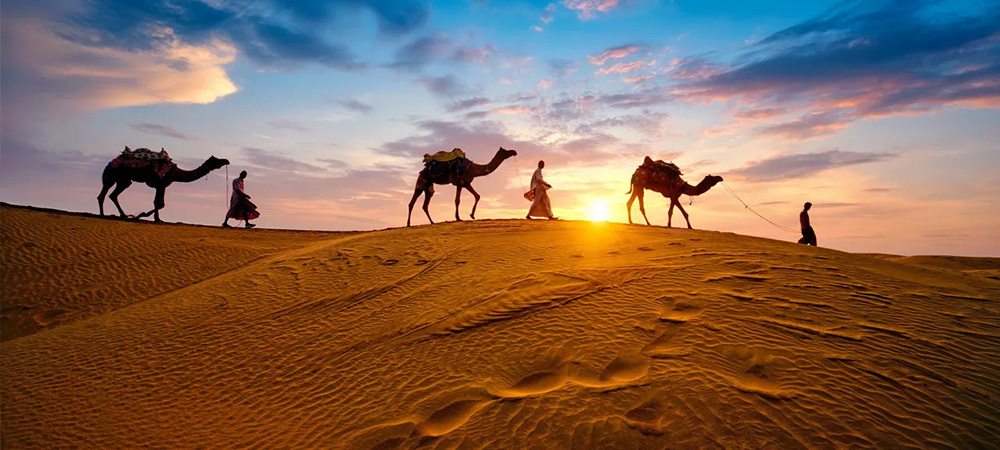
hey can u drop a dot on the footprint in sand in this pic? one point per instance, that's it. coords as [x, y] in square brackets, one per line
[649, 417]
[620, 372]
[450, 417]
[665, 346]
[390, 262]
[644, 249]
[757, 373]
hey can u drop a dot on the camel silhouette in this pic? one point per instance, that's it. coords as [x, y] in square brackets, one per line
[426, 181]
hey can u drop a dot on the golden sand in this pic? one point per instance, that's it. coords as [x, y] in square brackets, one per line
[486, 334]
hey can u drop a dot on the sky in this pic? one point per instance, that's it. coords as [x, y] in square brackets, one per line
[884, 114]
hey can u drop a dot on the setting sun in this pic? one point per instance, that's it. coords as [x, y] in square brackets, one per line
[598, 211]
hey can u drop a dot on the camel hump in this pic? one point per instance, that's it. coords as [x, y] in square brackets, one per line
[145, 154]
[661, 165]
[444, 156]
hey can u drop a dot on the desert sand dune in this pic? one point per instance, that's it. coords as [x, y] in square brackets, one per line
[490, 334]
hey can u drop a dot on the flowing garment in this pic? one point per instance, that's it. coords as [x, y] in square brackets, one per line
[540, 206]
[240, 207]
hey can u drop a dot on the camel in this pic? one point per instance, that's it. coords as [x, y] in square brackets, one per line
[426, 182]
[123, 175]
[671, 189]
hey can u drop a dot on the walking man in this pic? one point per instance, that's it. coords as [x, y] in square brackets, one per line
[240, 206]
[808, 235]
[540, 205]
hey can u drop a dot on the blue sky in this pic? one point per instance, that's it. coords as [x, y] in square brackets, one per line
[883, 114]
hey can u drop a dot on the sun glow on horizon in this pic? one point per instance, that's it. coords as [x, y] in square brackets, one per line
[598, 211]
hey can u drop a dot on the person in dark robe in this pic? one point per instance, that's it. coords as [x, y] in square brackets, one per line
[240, 206]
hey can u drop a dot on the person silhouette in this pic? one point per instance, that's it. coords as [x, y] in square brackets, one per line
[540, 204]
[808, 235]
[240, 206]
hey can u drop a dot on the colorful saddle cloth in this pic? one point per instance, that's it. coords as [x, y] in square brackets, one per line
[660, 173]
[444, 156]
[661, 165]
[140, 158]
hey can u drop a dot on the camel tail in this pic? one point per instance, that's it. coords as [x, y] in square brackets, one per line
[630, 187]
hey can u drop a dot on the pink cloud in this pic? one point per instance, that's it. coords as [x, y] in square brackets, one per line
[612, 53]
[639, 79]
[626, 67]
[588, 9]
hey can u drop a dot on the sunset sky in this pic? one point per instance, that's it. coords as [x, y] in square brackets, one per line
[885, 115]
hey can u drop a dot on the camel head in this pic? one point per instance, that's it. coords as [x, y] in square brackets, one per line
[712, 180]
[214, 163]
[504, 153]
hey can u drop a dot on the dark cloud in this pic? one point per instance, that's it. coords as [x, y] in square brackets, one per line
[355, 105]
[421, 51]
[263, 158]
[803, 165]
[415, 55]
[161, 130]
[868, 59]
[273, 33]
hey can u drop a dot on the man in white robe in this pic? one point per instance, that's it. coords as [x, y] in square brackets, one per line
[540, 205]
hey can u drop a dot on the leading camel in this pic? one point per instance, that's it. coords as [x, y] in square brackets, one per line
[672, 188]
[427, 180]
[122, 176]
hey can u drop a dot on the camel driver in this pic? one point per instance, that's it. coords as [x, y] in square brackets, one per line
[240, 206]
[540, 205]
[808, 235]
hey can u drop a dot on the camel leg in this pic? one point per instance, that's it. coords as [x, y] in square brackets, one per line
[121, 186]
[642, 205]
[427, 201]
[458, 199]
[670, 214]
[157, 205]
[474, 205]
[416, 195]
[100, 197]
[629, 205]
[680, 207]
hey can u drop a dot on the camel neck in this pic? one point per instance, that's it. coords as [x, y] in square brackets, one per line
[187, 176]
[701, 188]
[481, 170]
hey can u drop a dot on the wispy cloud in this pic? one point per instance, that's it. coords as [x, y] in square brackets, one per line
[626, 67]
[447, 86]
[802, 165]
[161, 130]
[274, 161]
[612, 53]
[355, 105]
[588, 9]
[285, 124]
[469, 103]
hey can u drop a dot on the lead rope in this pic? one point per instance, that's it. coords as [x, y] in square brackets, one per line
[517, 169]
[737, 197]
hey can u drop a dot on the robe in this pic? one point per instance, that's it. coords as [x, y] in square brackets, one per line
[540, 206]
[240, 207]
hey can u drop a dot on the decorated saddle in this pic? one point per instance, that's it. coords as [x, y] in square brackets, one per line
[453, 163]
[660, 172]
[141, 158]
[444, 156]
